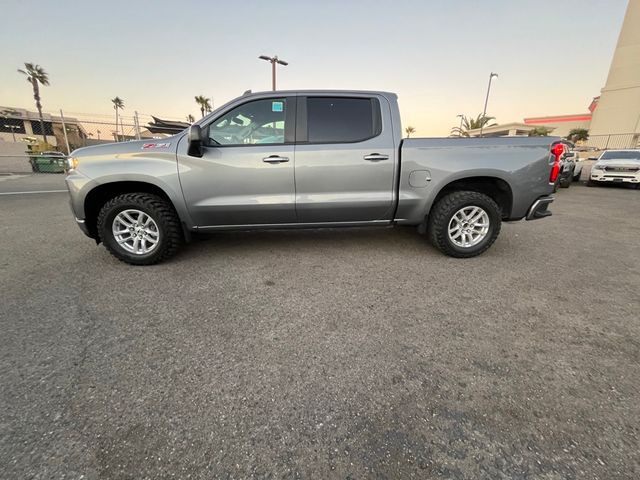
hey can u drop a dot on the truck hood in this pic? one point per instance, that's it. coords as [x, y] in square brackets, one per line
[168, 144]
[622, 162]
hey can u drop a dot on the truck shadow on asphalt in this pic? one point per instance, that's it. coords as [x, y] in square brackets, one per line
[380, 239]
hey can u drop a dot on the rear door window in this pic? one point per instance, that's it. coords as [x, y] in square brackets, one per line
[342, 120]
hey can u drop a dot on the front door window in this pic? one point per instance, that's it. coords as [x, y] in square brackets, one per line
[257, 122]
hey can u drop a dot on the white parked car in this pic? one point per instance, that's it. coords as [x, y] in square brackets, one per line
[616, 166]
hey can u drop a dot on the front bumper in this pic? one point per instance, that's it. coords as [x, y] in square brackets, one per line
[615, 177]
[83, 226]
[540, 208]
[78, 184]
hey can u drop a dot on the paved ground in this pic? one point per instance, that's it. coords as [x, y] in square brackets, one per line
[332, 354]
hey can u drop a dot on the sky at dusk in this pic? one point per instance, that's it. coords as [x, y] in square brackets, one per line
[552, 57]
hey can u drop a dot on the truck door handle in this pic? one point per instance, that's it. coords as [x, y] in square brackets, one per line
[376, 157]
[275, 159]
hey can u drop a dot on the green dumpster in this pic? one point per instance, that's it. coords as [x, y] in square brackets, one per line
[48, 162]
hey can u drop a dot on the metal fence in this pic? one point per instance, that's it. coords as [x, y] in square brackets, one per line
[21, 129]
[614, 141]
[22, 135]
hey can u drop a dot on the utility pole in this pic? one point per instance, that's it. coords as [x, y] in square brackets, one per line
[273, 60]
[136, 123]
[64, 130]
[486, 101]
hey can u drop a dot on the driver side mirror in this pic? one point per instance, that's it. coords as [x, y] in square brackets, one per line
[194, 138]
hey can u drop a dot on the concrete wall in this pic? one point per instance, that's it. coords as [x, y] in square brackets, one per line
[13, 158]
[619, 107]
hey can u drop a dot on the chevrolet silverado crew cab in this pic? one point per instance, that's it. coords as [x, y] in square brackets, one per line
[307, 159]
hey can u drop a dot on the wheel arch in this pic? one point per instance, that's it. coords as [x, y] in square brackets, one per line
[102, 193]
[496, 188]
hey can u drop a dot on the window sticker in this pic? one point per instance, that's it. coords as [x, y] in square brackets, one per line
[277, 106]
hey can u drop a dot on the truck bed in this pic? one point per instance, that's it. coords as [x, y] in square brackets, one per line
[427, 165]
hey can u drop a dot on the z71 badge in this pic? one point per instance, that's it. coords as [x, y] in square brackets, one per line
[155, 145]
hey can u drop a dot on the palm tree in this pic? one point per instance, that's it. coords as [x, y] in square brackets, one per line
[409, 131]
[36, 76]
[469, 123]
[118, 104]
[204, 103]
[190, 118]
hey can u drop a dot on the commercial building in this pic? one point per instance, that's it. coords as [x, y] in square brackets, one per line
[18, 124]
[561, 125]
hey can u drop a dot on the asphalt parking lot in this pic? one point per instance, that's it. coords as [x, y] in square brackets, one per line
[323, 354]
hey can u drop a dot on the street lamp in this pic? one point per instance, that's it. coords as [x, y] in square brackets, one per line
[273, 60]
[13, 131]
[486, 101]
[460, 128]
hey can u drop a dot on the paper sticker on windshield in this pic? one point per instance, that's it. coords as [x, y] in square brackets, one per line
[277, 106]
[155, 145]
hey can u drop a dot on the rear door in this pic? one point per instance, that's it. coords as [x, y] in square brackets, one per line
[345, 157]
[246, 173]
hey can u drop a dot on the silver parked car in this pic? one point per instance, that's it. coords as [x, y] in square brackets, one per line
[295, 159]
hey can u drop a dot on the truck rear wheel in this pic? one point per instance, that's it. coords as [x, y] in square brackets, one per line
[464, 224]
[139, 228]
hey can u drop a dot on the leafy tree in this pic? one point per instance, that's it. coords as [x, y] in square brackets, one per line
[578, 134]
[409, 130]
[540, 132]
[190, 118]
[36, 76]
[118, 104]
[204, 103]
[469, 123]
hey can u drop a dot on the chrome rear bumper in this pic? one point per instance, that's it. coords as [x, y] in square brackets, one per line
[539, 209]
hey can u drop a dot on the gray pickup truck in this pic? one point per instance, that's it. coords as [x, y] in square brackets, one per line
[307, 159]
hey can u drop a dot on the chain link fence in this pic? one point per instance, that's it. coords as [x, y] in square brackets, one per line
[31, 145]
[23, 135]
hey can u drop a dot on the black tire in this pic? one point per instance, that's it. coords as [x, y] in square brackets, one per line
[565, 183]
[591, 183]
[442, 212]
[576, 178]
[161, 211]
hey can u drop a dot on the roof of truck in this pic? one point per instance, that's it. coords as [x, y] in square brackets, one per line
[323, 92]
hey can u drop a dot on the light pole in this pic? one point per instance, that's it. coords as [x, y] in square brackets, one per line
[460, 128]
[273, 60]
[486, 101]
[13, 131]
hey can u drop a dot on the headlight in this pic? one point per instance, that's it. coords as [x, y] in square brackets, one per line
[72, 162]
[598, 167]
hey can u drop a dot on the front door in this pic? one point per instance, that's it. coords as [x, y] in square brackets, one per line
[345, 160]
[246, 173]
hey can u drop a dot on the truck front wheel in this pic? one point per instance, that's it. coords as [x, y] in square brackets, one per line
[464, 224]
[139, 228]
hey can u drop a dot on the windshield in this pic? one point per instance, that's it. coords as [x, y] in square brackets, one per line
[627, 155]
